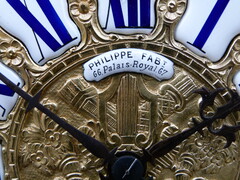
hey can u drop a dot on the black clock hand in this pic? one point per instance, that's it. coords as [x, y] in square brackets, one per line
[222, 112]
[163, 147]
[94, 146]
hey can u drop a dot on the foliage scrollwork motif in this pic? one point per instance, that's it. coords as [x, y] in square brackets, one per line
[205, 154]
[47, 148]
[45, 142]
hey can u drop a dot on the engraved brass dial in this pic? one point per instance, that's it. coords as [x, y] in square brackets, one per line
[126, 110]
[131, 111]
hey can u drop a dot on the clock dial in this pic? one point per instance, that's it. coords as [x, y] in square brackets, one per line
[128, 109]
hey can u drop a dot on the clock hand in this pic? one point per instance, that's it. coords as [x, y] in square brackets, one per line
[163, 147]
[222, 112]
[129, 169]
[97, 148]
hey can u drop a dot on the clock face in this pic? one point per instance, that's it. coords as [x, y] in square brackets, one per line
[123, 72]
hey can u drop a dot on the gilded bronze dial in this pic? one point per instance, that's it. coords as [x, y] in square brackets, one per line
[129, 110]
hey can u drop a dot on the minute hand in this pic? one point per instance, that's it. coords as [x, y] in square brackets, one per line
[163, 147]
[94, 146]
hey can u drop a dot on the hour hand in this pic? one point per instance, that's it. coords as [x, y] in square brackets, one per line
[91, 144]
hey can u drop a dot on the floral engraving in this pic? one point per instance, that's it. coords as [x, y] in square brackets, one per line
[48, 149]
[205, 154]
[172, 9]
[11, 53]
[83, 9]
[45, 142]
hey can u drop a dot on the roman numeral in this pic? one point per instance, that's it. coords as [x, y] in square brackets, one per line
[38, 28]
[210, 24]
[3, 110]
[8, 97]
[133, 14]
[6, 91]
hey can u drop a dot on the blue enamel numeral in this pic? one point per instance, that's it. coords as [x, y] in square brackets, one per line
[133, 9]
[6, 91]
[117, 13]
[145, 10]
[210, 24]
[40, 30]
[133, 13]
[3, 110]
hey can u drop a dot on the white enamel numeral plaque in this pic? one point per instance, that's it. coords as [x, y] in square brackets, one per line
[127, 16]
[7, 96]
[208, 26]
[44, 26]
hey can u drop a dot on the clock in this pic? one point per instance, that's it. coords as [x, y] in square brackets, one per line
[114, 89]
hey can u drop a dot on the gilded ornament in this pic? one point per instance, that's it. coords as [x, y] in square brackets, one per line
[11, 53]
[82, 9]
[172, 9]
